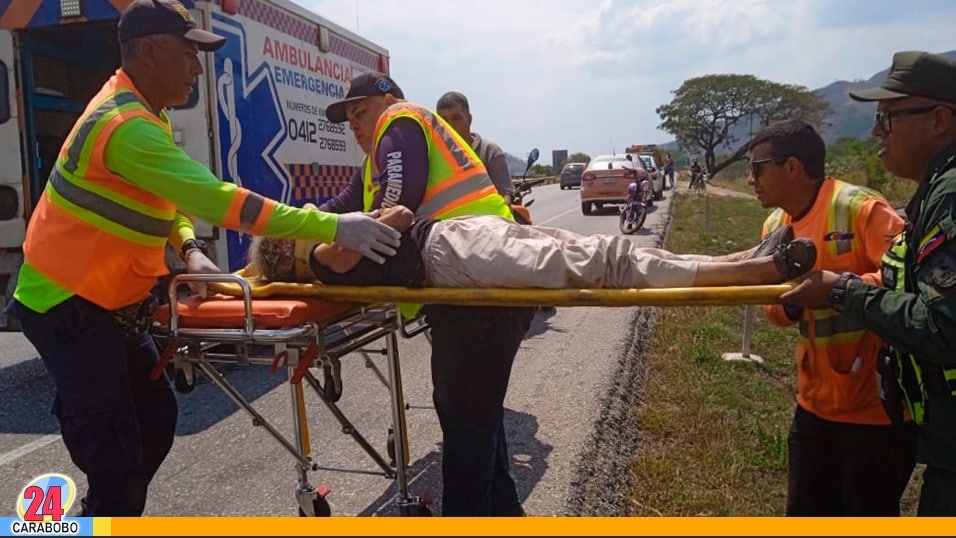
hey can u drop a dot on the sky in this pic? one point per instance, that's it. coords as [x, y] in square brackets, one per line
[587, 76]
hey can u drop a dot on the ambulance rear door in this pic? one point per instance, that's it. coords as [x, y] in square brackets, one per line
[12, 218]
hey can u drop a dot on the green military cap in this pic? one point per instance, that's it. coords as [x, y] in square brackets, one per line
[915, 73]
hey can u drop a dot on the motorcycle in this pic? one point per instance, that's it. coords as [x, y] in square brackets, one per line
[645, 184]
[698, 181]
[634, 209]
[519, 201]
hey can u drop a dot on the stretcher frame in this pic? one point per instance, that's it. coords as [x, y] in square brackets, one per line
[194, 347]
[607, 297]
[315, 344]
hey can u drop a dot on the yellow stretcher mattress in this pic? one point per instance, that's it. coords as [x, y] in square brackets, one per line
[699, 296]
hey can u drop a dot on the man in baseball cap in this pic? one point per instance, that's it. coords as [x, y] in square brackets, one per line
[362, 86]
[151, 17]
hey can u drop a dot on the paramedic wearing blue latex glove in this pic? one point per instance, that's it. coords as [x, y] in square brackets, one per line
[415, 161]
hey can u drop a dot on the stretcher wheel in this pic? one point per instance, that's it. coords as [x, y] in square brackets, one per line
[422, 511]
[390, 446]
[183, 384]
[320, 506]
[416, 507]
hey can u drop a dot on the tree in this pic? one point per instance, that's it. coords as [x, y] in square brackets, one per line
[707, 112]
[579, 158]
[540, 170]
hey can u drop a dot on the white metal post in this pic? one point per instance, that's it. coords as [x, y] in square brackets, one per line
[745, 355]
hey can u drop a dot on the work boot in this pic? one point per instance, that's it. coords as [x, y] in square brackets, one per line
[774, 239]
[795, 258]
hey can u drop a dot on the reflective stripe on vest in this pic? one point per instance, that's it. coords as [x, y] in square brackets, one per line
[841, 218]
[149, 230]
[776, 219]
[82, 143]
[829, 326]
[93, 232]
[458, 183]
[911, 378]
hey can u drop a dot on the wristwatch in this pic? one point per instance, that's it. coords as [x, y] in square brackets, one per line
[837, 297]
[190, 244]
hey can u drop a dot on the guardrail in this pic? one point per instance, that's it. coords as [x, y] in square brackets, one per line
[539, 180]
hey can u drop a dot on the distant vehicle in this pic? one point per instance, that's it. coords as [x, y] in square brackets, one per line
[656, 172]
[605, 180]
[571, 175]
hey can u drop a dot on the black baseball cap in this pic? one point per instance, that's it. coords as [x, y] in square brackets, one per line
[150, 17]
[362, 86]
[915, 73]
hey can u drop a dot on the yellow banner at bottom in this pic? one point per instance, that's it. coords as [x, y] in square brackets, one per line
[529, 526]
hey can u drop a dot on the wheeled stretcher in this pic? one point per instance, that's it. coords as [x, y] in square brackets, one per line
[304, 336]
[309, 327]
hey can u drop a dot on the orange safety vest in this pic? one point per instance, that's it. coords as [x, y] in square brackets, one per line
[92, 232]
[836, 355]
[458, 183]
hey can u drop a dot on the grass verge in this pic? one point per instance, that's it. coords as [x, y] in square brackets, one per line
[712, 438]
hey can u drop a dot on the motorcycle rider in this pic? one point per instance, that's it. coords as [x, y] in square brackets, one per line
[696, 172]
[633, 211]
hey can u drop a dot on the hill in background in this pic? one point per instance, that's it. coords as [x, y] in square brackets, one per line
[848, 118]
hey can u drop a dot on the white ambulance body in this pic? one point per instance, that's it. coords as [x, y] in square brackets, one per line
[256, 118]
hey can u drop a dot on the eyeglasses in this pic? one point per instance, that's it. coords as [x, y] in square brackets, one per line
[884, 119]
[755, 166]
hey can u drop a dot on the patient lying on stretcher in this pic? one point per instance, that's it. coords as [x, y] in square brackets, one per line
[493, 252]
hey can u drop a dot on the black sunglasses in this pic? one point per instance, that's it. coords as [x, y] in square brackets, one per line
[884, 119]
[755, 166]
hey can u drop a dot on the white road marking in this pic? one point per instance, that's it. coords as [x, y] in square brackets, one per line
[556, 217]
[36, 444]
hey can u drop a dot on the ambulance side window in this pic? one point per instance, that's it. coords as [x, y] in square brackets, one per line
[4, 94]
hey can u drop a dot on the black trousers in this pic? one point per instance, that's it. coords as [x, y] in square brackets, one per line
[473, 349]
[938, 495]
[840, 469]
[117, 425]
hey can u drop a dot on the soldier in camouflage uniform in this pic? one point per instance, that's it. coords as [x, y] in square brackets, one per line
[915, 310]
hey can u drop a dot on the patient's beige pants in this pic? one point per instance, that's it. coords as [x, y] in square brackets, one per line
[493, 252]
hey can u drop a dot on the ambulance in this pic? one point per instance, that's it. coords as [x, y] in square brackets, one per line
[256, 117]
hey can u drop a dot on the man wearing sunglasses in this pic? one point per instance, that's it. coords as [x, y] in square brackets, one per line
[845, 457]
[915, 311]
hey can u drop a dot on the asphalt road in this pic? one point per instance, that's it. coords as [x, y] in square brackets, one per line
[568, 416]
